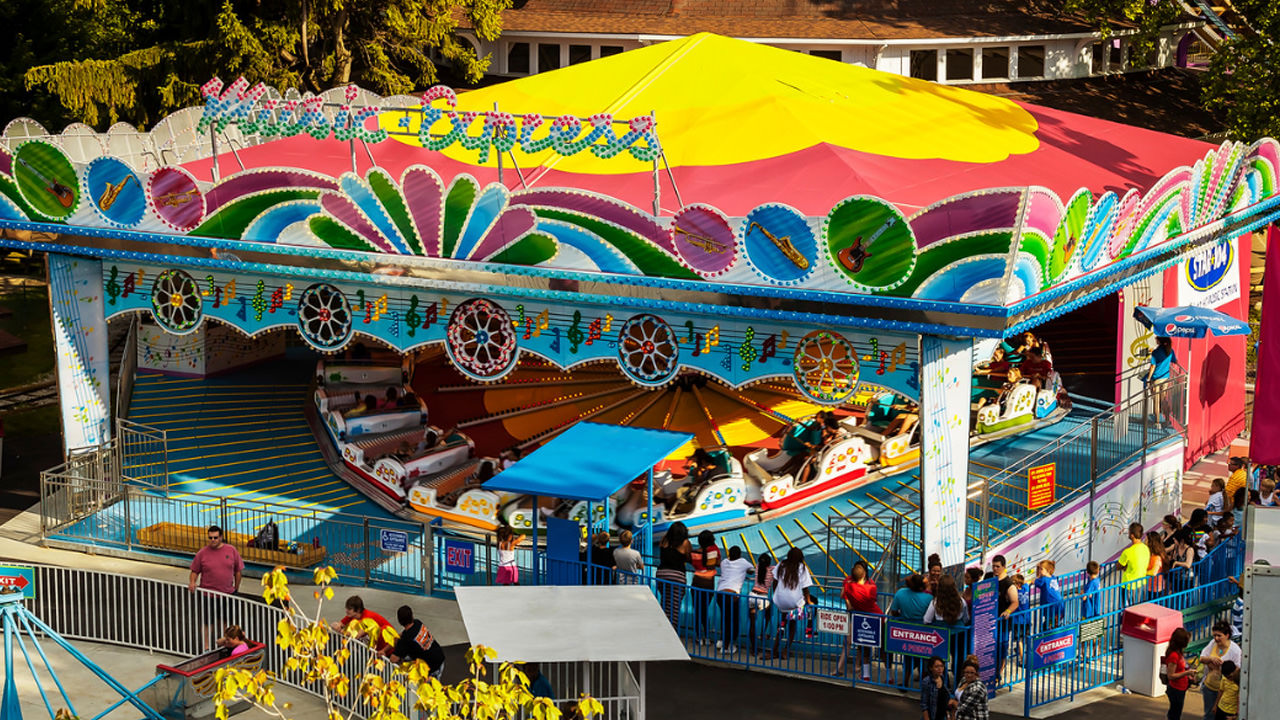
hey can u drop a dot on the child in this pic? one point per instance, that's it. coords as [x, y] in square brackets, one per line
[1050, 593]
[1092, 594]
[1019, 620]
[508, 570]
[1268, 492]
[234, 639]
[733, 573]
[1215, 505]
[1229, 692]
[758, 601]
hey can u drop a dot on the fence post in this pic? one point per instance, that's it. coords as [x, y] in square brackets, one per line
[1093, 475]
[366, 552]
[128, 521]
[986, 519]
[222, 515]
[488, 551]
[164, 459]
[427, 546]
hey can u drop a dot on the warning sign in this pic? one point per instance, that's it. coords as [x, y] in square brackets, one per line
[1041, 482]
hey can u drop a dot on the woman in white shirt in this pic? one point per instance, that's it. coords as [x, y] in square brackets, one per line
[790, 594]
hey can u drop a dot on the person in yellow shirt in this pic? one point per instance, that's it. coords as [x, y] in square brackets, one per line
[1229, 692]
[1134, 561]
[1239, 478]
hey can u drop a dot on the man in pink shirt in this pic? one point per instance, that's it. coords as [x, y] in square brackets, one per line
[217, 566]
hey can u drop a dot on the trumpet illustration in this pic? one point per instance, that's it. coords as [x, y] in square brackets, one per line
[112, 191]
[176, 198]
[698, 240]
[784, 244]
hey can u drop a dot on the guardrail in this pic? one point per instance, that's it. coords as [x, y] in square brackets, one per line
[128, 368]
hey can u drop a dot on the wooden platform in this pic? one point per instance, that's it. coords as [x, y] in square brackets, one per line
[189, 539]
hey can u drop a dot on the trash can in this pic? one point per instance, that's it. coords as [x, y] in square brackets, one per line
[1146, 630]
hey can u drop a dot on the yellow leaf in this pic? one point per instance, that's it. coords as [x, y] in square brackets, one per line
[328, 593]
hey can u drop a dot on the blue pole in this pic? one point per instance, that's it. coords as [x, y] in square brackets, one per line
[537, 576]
[10, 706]
[49, 667]
[22, 645]
[648, 536]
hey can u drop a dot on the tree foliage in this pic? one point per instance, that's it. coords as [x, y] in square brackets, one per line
[142, 59]
[312, 662]
[1242, 83]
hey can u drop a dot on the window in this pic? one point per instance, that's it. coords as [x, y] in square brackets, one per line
[607, 50]
[1031, 61]
[960, 64]
[548, 57]
[1116, 56]
[828, 54]
[924, 64]
[1097, 59]
[518, 58]
[579, 54]
[995, 63]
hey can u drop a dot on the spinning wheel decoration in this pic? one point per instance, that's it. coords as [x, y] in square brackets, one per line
[647, 350]
[826, 367]
[481, 340]
[324, 317]
[175, 302]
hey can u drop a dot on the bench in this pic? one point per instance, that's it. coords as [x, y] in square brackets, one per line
[189, 539]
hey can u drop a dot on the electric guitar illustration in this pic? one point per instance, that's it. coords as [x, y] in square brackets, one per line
[111, 192]
[707, 244]
[62, 192]
[784, 244]
[853, 257]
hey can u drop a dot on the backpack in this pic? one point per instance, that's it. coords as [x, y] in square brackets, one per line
[267, 537]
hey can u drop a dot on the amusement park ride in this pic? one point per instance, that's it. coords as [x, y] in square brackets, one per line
[502, 315]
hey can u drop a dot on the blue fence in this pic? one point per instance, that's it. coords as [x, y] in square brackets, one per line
[736, 629]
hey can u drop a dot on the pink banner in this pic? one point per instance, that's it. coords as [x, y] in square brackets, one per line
[1264, 442]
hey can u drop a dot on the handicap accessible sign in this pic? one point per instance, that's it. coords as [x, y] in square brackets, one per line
[867, 630]
[916, 640]
[1053, 648]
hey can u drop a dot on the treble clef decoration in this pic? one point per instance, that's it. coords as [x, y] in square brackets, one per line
[575, 333]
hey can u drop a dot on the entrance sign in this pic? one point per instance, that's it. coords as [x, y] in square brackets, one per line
[459, 557]
[916, 640]
[1041, 484]
[868, 630]
[1054, 648]
[834, 622]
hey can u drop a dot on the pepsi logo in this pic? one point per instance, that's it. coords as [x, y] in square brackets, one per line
[1182, 318]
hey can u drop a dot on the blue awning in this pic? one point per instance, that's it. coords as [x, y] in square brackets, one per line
[589, 461]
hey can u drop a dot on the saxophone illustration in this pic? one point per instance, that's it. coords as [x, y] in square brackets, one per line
[112, 191]
[784, 244]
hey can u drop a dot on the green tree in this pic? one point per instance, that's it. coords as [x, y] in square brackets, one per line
[1242, 84]
[173, 46]
[313, 661]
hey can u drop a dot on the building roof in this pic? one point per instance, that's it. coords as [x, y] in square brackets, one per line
[589, 461]
[606, 623]
[801, 19]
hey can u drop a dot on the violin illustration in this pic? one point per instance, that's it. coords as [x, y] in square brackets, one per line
[111, 192]
[176, 198]
[708, 244]
[784, 244]
[60, 191]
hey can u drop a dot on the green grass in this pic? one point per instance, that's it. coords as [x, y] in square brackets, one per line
[29, 321]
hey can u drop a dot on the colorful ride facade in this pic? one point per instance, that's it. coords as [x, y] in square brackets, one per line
[863, 298]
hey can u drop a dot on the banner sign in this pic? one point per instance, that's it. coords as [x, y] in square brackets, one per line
[944, 447]
[1053, 648]
[18, 577]
[1211, 276]
[868, 630]
[916, 640]
[986, 597]
[1041, 485]
[484, 337]
[459, 557]
[834, 622]
[80, 344]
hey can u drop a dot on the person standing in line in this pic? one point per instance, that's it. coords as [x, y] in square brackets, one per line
[217, 566]
[356, 612]
[972, 576]
[1134, 561]
[971, 702]
[859, 595]
[508, 570]
[1179, 676]
[948, 608]
[601, 559]
[1212, 659]
[628, 560]
[1006, 604]
[705, 559]
[758, 602]
[935, 573]
[1169, 528]
[1156, 565]
[1267, 492]
[935, 688]
[909, 604]
[1091, 598]
[1216, 505]
[416, 643]
[733, 573]
[673, 556]
[1181, 558]
[1046, 585]
[790, 594]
